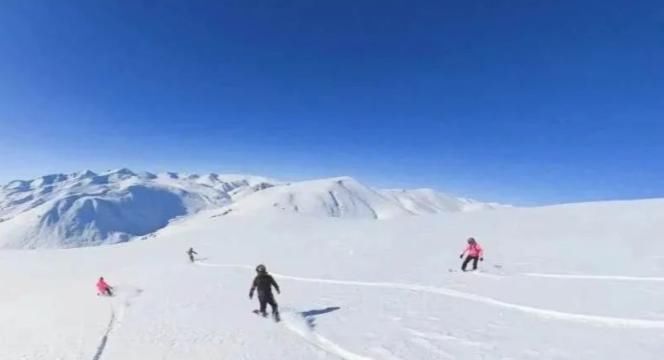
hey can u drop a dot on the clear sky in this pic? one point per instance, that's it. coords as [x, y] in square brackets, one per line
[528, 102]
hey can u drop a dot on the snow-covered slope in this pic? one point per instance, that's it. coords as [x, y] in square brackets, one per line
[345, 197]
[82, 209]
[583, 281]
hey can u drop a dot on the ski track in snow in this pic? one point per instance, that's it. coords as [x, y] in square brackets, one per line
[597, 277]
[531, 310]
[293, 322]
[125, 298]
[104, 339]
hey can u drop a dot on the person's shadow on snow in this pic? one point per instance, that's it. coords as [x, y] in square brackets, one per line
[310, 315]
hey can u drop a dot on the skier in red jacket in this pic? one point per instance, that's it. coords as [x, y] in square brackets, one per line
[103, 288]
[474, 252]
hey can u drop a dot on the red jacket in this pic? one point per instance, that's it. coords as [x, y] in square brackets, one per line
[474, 250]
[102, 286]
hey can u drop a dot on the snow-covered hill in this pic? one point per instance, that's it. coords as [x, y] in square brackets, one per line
[338, 197]
[429, 201]
[345, 197]
[82, 209]
[571, 282]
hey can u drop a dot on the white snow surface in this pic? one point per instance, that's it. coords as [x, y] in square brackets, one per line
[570, 282]
[86, 208]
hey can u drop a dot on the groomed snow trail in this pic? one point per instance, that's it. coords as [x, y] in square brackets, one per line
[543, 313]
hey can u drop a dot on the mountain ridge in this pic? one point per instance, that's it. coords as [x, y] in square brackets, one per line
[88, 208]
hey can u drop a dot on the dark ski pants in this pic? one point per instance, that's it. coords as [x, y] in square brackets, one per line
[474, 259]
[264, 300]
[191, 257]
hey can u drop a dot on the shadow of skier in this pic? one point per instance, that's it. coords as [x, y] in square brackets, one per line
[310, 315]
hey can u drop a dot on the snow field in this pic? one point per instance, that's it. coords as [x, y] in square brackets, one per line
[554, 287]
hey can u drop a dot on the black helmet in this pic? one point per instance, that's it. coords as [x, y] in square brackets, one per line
[471, 240]
[261, 268]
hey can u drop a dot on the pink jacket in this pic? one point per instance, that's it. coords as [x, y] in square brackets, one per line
[473, 250]
[102, 286]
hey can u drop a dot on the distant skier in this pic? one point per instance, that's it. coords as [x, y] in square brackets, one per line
[474, 252]
[191, 254]
[103, 288]
[263, 282]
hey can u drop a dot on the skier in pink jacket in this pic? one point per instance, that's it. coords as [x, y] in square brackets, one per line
[103, 288]
[474, 252]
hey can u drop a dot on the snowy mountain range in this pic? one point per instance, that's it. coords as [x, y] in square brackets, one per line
[88, 208]
[574, 281]
[567, 282]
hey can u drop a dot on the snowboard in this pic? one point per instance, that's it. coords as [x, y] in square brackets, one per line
[275, 317]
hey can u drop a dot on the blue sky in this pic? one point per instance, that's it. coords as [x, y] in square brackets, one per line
[529, 102]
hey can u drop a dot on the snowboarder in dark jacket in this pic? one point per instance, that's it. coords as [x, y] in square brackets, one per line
[191, 254]
[263, 282]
